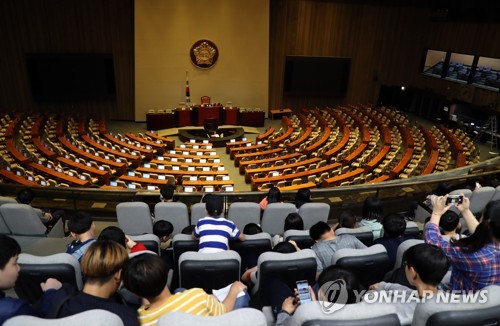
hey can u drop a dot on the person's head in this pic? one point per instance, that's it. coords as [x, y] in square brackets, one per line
[188, 229]
[285, 248]
[303, 196]
[320, 231]
[333, 274]
[487, 231]
[394, 226]
[113, 233]
[145, 275]
[163, 229]
[442, 189]
[449, 221]
[347, 220]
[214, 205]
[9, 269]
[294, 222]
[80, 223]
[372, 209]
[252, 228]
[103, 262]
[167, 193]
[26, 196]
[274, 195]
[425, 263]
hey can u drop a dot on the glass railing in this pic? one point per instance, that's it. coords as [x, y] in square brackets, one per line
[397, 194]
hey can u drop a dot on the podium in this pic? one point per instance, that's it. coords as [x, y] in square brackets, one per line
[230, 116]
[203, 112]
[183, 117]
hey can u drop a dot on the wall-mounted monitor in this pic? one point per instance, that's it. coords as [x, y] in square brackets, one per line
[56, 77]
[322, 76]
[459, 67]
[487, 74]
[434, 63]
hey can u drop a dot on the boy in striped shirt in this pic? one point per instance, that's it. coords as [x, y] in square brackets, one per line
[215, 231]
[146, 276]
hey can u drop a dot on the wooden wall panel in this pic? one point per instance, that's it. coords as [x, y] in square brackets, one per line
[385, 43]
[93, 26]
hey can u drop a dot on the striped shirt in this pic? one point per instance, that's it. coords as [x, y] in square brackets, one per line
[214, 234]
[193, 301]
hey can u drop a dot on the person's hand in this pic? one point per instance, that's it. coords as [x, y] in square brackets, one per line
[294, 244]
[48, 215]
[130, 243]
[374, 287]
[311, 293]
[237, 287]
[465, 205]
[50, 283]
[439, 206]
[289, 305]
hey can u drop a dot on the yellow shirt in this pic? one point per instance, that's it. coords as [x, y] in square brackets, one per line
[193, 301]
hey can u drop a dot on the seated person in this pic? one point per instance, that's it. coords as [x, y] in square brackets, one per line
[372, 215]
[450, 224]
[425, 267]
[346, 220]
[214, 231]
[9, 271]
[327, 243]
[273, 196]
[163, 230]
[113, 233]
[81, 228]
[146, 276]
[250, 275]
[302, 197]
[26, 196]
[102, 267]
[167, 193]
[252, 228]
[394, 228]
[292, 222]
[291, 300]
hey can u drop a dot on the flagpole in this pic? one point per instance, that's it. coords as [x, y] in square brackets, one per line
[188, 98]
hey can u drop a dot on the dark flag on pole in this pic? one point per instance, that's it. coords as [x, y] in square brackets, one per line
[188, 99]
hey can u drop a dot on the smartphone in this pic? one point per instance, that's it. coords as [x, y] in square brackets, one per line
[454, 199]
[303, 290]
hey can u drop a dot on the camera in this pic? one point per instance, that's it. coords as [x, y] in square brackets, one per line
[454, 199]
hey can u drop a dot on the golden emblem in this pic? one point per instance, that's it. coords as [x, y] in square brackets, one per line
[204, 54]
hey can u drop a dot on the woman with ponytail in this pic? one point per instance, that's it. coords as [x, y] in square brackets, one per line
[475, 261]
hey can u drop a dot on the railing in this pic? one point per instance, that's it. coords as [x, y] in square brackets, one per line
[396, 194]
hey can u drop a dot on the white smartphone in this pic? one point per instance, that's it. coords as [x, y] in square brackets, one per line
[303, 290]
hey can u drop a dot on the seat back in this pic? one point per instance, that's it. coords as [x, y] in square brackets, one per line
[405, 245]
[369, 264]
[250, 249]
[359, 314]
[150, 241]
[301, 238]
[486, 312]
[273, 220]
[480, 198]
[89, 317]
[411, 230]
[496, 196]
[22, 219]
[175, 213]
[37, 269]
[209, 271]
[198, 211]
[289, 268]
[182, 243]
[7, 200]
[313, 213]
[134, 218]
[363, 234]
[240, 317]
[243, 213]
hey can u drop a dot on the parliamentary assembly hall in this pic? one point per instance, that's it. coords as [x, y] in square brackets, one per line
[258, 162]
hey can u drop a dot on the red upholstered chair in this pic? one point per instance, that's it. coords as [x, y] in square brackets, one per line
[205, 100]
